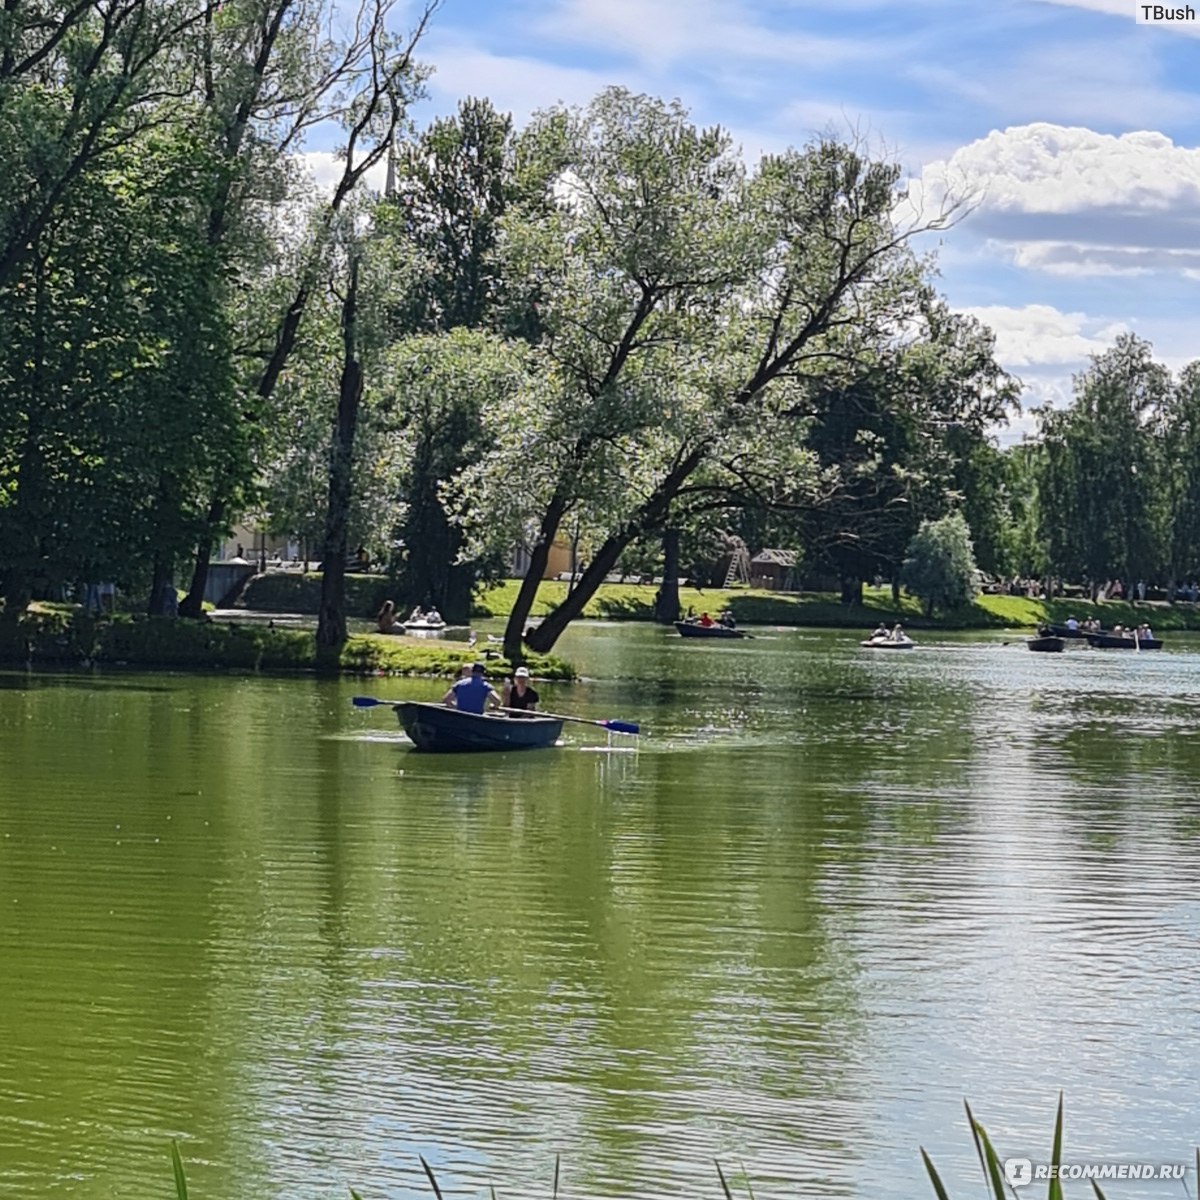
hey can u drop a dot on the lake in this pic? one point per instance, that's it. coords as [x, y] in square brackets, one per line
[831, 894]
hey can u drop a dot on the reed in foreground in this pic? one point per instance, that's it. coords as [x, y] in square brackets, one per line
[999, 1188]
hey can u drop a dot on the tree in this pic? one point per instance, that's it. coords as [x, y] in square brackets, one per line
[939, 565]
[1100, 485]
[365, 83]
[1180, 439]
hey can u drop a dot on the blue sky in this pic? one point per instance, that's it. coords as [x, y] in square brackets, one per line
[1076, 127]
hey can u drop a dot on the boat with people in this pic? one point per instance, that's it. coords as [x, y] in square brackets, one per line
[424, 622]
[888, 643]
[1047, 644]
[434, 727]
[693, 629]
[889, 639]
[1124, 640]
[1070, 632]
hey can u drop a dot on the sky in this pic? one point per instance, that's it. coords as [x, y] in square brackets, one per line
[1075, 129]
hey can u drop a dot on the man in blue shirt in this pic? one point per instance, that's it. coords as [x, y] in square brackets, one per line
[474, 694]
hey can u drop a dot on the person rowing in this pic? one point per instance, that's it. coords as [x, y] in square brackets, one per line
[473, 695]
[898, 634]
[881, 633]
[519, 694]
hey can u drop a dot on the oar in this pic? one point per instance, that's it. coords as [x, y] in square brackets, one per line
[370, 701]
[612, 726]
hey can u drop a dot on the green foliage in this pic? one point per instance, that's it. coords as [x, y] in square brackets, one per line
[1100, 478]
[939, 565]
[41, 637]
[292, 592]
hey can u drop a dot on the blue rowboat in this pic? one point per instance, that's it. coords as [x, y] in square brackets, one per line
[446, 730]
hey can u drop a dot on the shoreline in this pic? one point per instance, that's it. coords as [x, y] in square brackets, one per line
[53, 635]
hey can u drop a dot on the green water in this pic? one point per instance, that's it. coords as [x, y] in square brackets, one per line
[834, 892]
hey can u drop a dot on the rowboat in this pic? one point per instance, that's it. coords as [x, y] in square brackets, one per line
[1119, 641]
[690, 629]
[888, 644]
[1047, 645]
[424, 626]
[445, 730]
[1063, 631]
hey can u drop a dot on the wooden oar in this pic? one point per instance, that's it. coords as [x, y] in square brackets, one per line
[612, 726]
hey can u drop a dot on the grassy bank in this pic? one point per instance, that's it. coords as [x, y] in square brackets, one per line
[635, 602]
[54, 634]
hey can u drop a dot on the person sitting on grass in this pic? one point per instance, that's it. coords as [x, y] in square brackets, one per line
[385, 619]
[473, 695]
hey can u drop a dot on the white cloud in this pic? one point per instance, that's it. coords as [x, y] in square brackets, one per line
[516, 84]
[1070, 201]
[325, 168]
[1039, 335]
[1127, 10]
[659, 33]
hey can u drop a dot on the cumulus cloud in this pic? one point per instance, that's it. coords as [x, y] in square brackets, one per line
[1070, 201]
[1039, 335]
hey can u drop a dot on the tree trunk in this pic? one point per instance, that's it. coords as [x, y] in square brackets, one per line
[852, 591]
[895, 593]
[331, 617]
[650, 515]
[163, 576]
[666, 610]
[542, 638]
[539, 556]
[192, 605]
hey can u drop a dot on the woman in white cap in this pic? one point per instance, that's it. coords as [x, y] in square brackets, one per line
[519, 694]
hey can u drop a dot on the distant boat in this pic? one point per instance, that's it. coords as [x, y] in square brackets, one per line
[693, 629]
[1120, 641]
[889, 644]
[1062, 631]
[437, 728]
[424, 626]
[1047, 645]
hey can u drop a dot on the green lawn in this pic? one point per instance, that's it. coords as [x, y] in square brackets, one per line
[634, 602]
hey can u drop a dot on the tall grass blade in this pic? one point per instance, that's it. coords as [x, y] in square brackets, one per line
[1099, 1194]
[492, 1189]
[354, 1195]
[724, 1184]
[746, 1180]
[177, 1166]
[934, 1178]
[557, 1164]
[994, 1171]
[437, 1191]
[1056, 1192]
[974, 1128]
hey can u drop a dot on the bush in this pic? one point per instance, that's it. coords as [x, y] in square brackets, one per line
[291, 592]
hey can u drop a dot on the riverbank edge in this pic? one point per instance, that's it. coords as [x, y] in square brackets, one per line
[817, 610]
[55, 636]
[300, 594]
